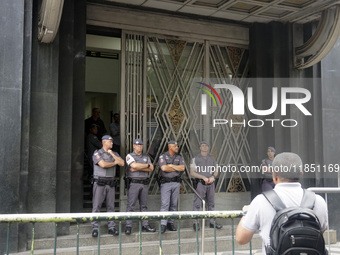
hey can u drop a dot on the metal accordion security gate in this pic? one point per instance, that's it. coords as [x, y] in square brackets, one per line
[161, 102]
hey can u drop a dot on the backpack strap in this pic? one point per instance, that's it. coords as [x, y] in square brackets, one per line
[308, 199]
[274, 200]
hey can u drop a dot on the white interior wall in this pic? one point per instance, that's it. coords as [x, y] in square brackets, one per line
[102, 85]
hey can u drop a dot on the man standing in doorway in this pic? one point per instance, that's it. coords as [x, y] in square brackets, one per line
[137, 173]
[104, 164]
[172, 166]
[95, 119]
[92, 144]
[203, 169]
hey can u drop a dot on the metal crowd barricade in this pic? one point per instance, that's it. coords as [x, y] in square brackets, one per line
[326, 190]
[203, 220]
[79, 218]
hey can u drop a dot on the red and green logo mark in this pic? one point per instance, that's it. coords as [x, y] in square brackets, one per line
[208, 92]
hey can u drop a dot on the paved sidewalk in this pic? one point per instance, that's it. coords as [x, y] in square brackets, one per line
[335, 250]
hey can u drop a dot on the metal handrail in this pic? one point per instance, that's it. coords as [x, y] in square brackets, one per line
[326, 190]
[120, 216]
[203, 205]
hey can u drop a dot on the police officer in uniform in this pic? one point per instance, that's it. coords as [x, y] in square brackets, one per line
[137, 174]
[203, 169]
[104, 171]
[172, 166]
[92, 144]
[267, 178]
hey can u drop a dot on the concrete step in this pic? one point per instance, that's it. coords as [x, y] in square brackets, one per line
[86, 228]
[189, 245]
[88, 204]
[153, 223]
[105, 239]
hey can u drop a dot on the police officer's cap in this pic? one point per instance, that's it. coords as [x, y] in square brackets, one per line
[204, 142]
[107, 137]
[172, 142]
[138, 141]
[272, 149]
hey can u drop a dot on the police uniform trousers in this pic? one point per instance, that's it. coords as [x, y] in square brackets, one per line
[207, 191]
[100, 193]
[137, 191]
[169, 198]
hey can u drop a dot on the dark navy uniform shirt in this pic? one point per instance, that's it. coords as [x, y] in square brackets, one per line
[267, 162]
[101, 126]
[165, 159]
[98, 171]
[133, 157]
[93, 144]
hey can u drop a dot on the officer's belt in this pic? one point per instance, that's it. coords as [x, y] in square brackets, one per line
[174, 179]
[103, 182]
[145, 181]
[202, 181]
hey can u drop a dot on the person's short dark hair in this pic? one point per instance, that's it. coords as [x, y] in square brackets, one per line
[116, 114]
[94, 109]
[93, 126]
[288, 166]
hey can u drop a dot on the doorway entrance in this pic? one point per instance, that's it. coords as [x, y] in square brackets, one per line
[102, 90]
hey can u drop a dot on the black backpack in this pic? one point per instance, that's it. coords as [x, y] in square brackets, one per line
[295, 230]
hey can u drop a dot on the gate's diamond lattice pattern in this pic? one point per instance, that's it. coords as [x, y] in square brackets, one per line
[162, 102]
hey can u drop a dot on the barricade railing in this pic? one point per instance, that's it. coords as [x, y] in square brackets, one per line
[326, 190]
[203, 220]
[80, 218]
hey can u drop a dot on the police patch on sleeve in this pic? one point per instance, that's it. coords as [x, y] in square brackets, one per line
[97, 155]
[161, 159]
[192, 163]
[129, 159]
